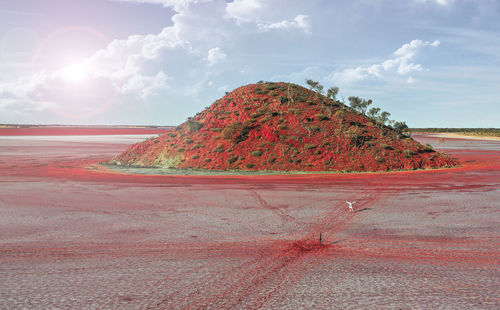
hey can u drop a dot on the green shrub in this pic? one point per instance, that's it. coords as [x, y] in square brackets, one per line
[282, 126]
[181, 149]
[207, 160]
[310, 146]
[385, 146]
[315, 128]
[216, 129]
[188, 141]
[193, 126]
[272, 87]
[428, 148]
[257, 153]
[249, 166]
[409, 153]
[283, 99]
[195, 157]
[231, 160]
[219, 149]
[198, 146]
[379, 159]
[322, 117]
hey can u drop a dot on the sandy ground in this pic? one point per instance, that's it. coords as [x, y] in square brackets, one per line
[463, 136]
[75, 237]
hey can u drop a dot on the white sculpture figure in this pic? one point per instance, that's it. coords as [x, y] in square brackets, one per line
[350, 205]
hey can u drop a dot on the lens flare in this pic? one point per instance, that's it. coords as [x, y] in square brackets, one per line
[75, 73]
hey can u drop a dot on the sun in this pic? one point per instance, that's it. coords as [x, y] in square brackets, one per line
[75, 73]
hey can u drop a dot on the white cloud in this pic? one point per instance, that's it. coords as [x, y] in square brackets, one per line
[133, 66]
[243, 10]
[438, 2]
[256, 11]
[410, 80]
[176, 4]
[401, 63]
[300, 22]
[215, 55]
[123, 63]
[145, 85]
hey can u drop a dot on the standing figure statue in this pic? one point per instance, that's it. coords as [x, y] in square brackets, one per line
[350, 205]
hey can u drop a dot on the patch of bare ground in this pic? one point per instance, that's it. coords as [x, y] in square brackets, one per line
[74, 237]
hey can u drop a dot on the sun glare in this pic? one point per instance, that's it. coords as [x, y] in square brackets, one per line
[75, 73]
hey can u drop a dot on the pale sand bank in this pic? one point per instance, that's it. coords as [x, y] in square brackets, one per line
[463, 136]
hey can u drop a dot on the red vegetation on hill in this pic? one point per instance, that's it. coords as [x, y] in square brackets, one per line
[282, 127]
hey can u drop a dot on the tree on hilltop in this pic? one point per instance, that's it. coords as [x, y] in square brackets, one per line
[359, 104]
[332, 93]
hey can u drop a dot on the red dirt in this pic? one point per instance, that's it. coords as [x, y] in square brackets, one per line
[76, 236]
[265, 127]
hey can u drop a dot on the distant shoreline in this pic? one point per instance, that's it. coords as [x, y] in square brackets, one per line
[462, 136]
[63, 130]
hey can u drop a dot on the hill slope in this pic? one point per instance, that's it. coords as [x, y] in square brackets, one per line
[281, 127]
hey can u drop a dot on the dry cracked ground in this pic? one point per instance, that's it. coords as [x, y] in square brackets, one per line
[74, 236]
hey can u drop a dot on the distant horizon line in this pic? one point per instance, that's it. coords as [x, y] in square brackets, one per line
[9, 125]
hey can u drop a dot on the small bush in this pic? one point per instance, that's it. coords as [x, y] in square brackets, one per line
[249, 166]
[188, 141]
[385, 146]
[193, 126]
[247, 108]
[322, 117]
[310, 102]
[379, 159]
[216, 129]
[207, 160]
[283, 99]
[198, 146]
[257, 153]
[409, 153]
[315, 128]
[282, 126]
[228, 133]
[231, 160]
[272, 87]
[195, 157]
[310, 146]
[219, 149]
[428, 148]
[181, 149]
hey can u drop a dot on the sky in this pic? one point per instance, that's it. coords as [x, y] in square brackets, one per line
[431, 63]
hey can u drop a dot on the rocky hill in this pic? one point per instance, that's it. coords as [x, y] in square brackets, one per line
[282, 127]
